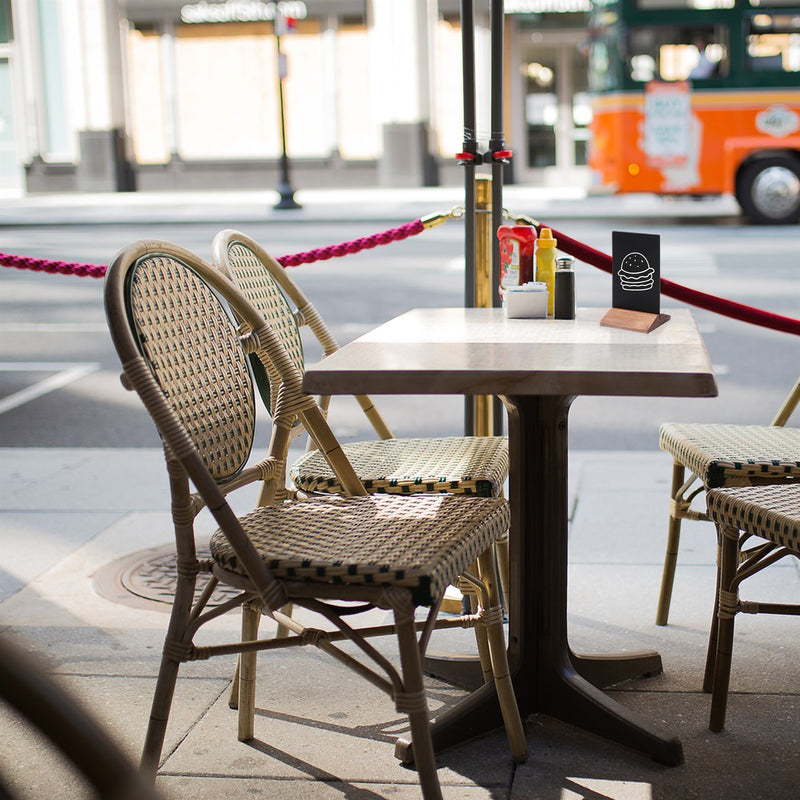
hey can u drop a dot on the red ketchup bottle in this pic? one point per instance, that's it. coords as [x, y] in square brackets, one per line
[516, 254]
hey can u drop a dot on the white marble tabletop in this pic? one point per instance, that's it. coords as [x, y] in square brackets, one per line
[479, 351]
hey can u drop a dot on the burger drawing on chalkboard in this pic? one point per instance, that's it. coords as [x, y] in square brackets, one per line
[635, 273]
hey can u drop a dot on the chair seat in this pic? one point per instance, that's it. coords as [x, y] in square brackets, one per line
[422, 544]
[718, 453]
[476, 465]
[771, 512]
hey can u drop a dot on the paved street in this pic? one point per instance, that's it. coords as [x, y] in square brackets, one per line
[58, 381]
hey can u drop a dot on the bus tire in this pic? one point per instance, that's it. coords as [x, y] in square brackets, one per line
[768, 190]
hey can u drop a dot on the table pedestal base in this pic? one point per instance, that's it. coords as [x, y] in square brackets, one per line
[548, 677]
[460, 670]
[601, 670]
[609, 669]
[570, 698]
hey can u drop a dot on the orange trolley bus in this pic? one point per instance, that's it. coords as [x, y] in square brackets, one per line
[698, 97]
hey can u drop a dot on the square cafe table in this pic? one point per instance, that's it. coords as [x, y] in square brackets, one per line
[537, 367]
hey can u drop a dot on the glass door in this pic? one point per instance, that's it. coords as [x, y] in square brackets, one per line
[555, 108]
[10, 168]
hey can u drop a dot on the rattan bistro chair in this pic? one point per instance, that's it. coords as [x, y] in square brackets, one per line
[722, 455]
[462, 465]
[334, 556]
[474, 465]
[771, 514]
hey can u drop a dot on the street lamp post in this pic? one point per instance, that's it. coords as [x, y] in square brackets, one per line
[285, 189]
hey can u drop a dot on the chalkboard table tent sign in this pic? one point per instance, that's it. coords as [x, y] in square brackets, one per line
[636, 282]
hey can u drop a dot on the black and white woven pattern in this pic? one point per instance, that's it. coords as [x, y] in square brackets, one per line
[193, 350]
[456, 464]
[771, 512]
[716, 453]
[421, 544]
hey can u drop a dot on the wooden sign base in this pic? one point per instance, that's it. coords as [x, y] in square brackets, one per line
[638, 321]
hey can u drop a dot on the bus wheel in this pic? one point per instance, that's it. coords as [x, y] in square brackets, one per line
[769, 190]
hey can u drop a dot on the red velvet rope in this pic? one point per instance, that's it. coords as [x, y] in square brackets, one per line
[718, 305]
[318, 254]
[356, 246]
[710, 302]
[61, 267]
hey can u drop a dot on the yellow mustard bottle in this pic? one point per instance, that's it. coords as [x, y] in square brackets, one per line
[546, 264]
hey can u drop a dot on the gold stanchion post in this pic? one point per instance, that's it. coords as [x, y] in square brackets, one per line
[483, 420]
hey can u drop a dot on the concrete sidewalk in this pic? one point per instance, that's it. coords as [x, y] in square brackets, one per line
[75, 522]
[337, 205]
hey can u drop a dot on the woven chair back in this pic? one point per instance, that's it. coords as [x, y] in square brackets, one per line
[260, 277]
[267, 285]
[182, 353]
[248, 269]
[192, 349]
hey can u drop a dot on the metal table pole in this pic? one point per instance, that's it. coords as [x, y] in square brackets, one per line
[499, 158]
[469, 158]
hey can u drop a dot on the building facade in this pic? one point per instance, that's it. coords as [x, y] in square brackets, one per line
[117, 95]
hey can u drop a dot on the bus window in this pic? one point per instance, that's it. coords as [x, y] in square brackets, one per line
[602, 51]
[674, 5]
[674, 53]
[773, 42]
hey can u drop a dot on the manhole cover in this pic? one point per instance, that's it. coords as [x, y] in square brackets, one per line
[148, 579]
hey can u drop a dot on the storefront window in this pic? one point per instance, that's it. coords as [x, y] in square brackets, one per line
[448, 93]
[226, 91]
[6, 31]
[210, 92]
[148, 106]
[358, 133]
[57, 141]
[9, 164]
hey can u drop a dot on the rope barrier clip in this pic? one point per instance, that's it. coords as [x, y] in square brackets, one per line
[439, 217]
[520, 219]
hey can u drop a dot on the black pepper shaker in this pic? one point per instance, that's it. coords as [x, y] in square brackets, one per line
[564, 289]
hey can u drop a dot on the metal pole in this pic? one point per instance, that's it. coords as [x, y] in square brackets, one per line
[284, 185]
[497, 141]
[470, 147]
[470, 157]
[497, 146]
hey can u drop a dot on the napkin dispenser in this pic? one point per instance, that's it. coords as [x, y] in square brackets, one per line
[528, 301]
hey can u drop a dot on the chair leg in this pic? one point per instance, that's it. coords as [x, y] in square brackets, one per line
[502, 555]
[171, 659]
[159, 716]
[515, 730]
[728, 606]
[673, 541]
[713, 634]
[233, 697]
[283, 631]
[251, 616]
[481, 639]
[413, 702]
